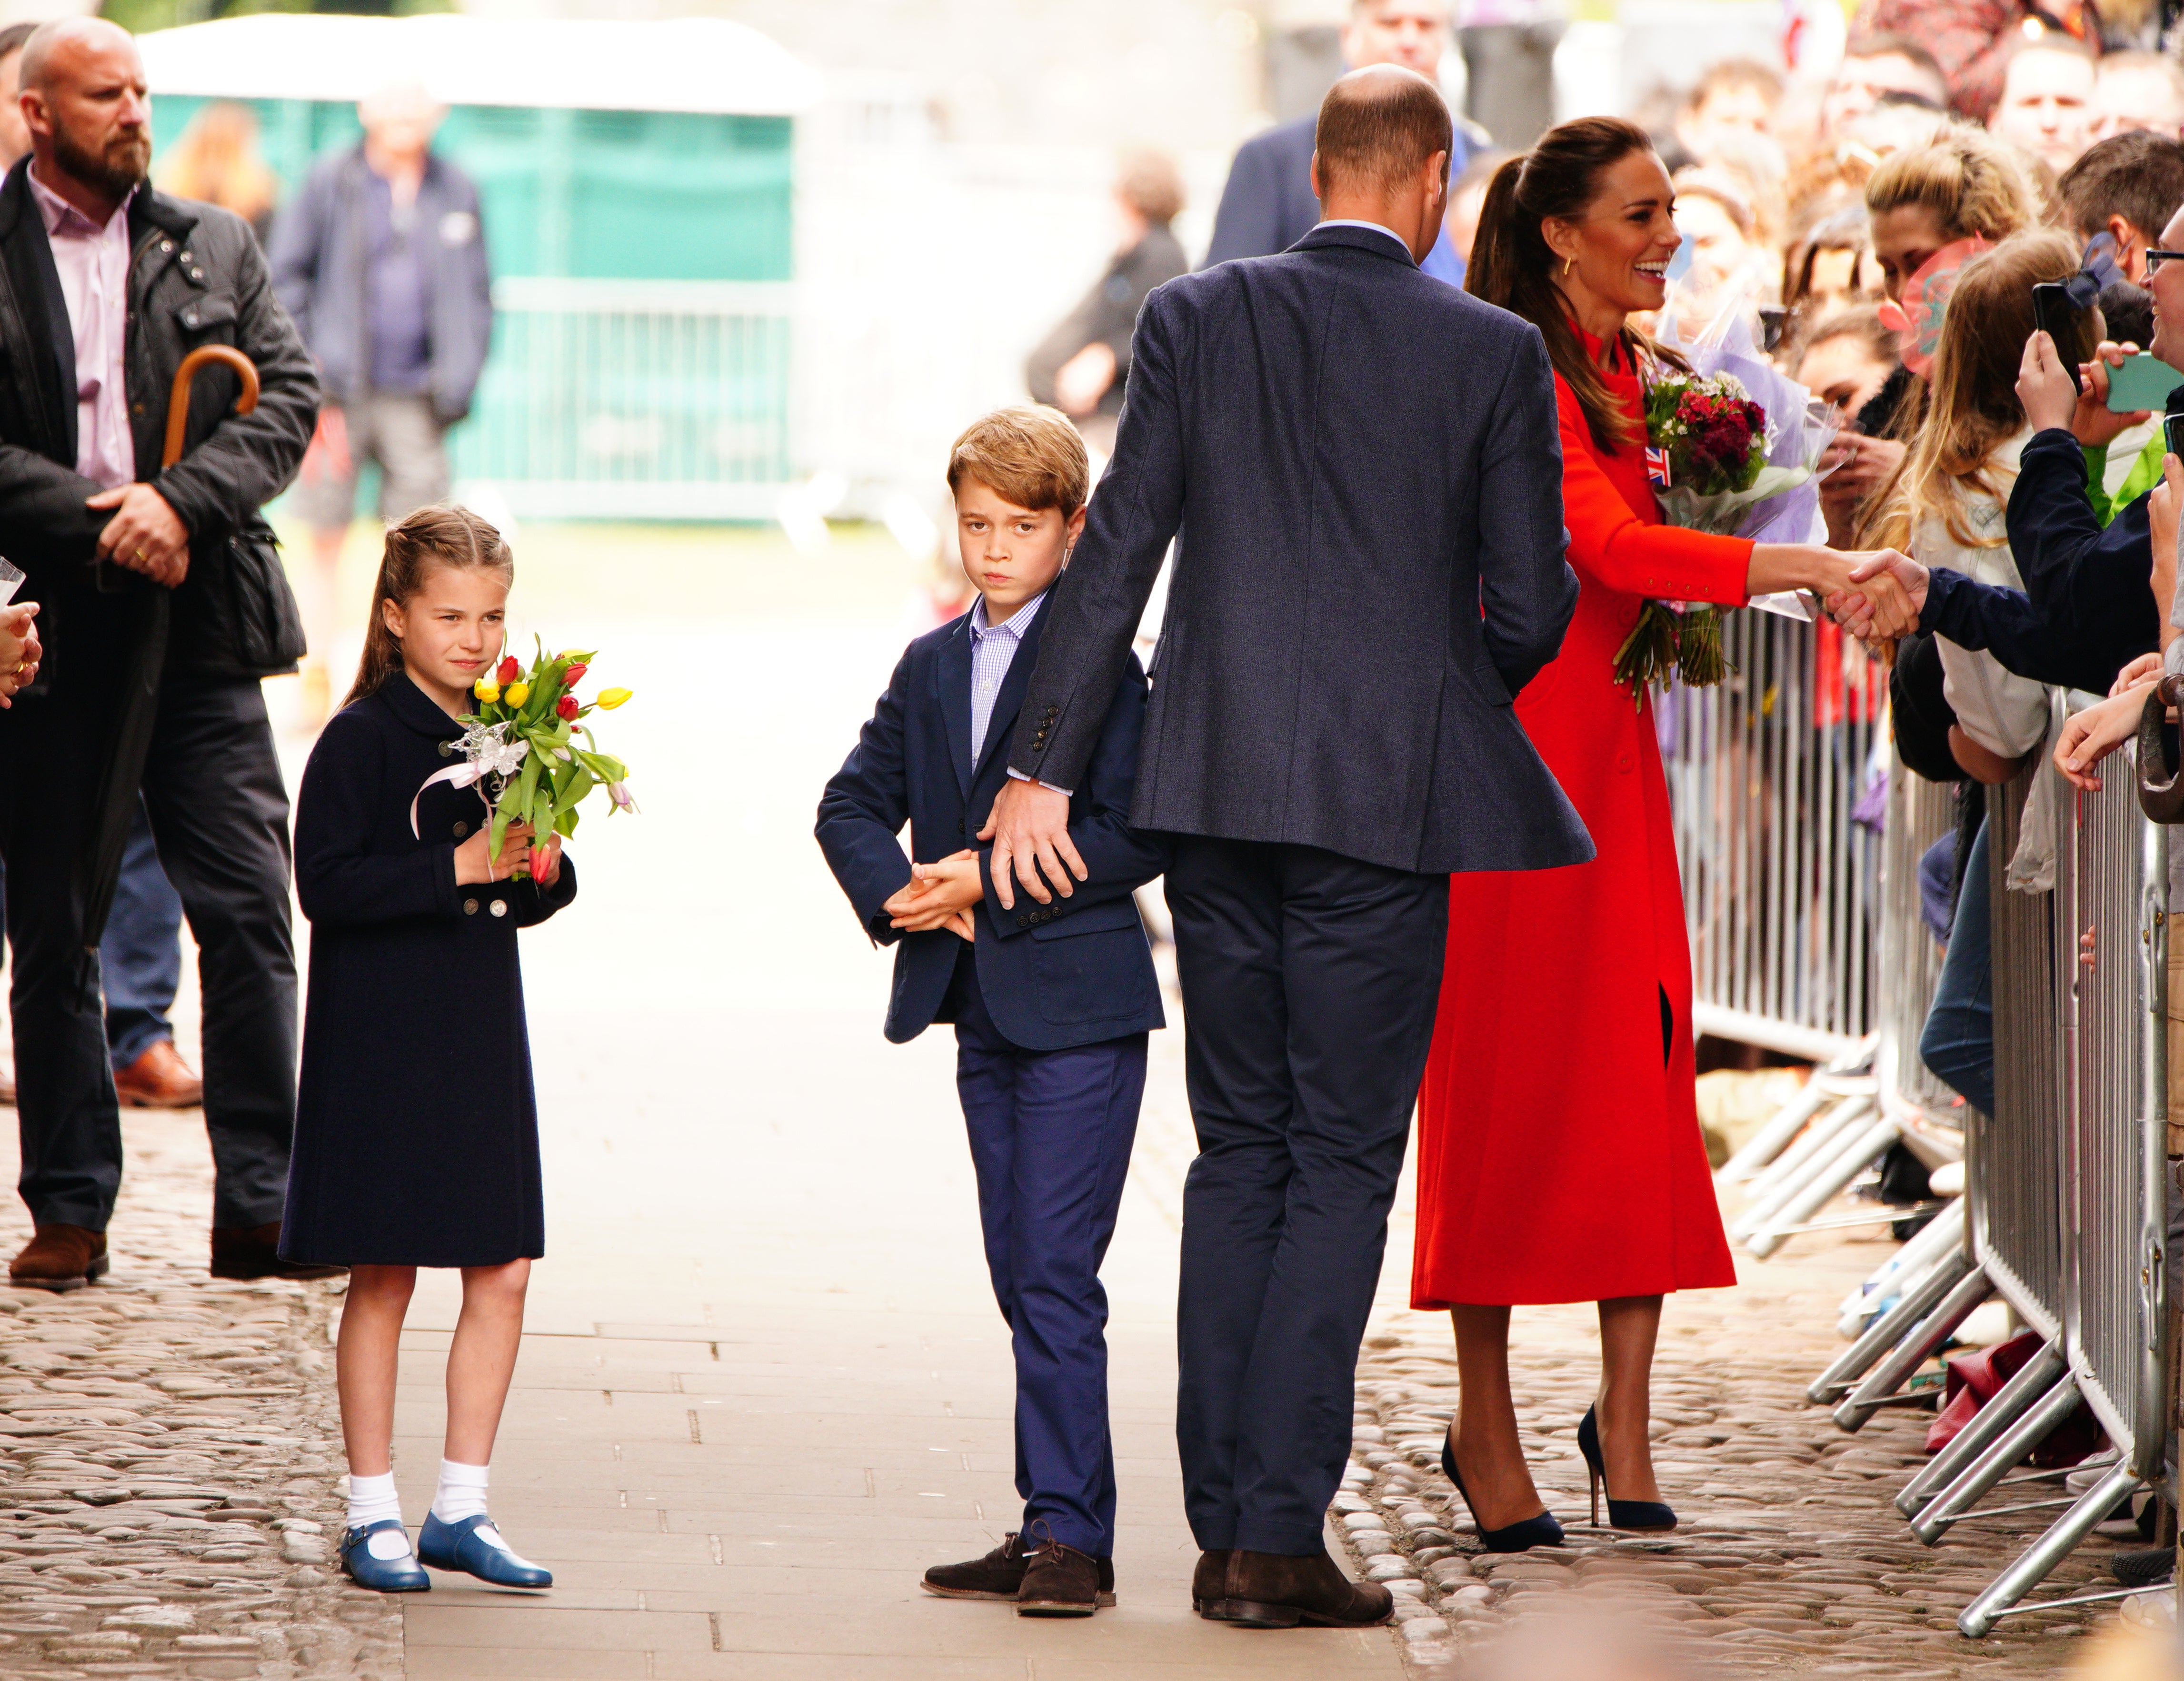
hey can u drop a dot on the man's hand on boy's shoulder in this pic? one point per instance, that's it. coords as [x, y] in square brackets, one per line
[939, 895]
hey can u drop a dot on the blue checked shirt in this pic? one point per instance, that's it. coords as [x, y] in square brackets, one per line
[993, 651]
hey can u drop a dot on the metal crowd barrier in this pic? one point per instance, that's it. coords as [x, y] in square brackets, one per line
[1813, 943]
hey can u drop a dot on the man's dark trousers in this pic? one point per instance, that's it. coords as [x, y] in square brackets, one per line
[1310, 983]
[220, 815]
[1050, 1137]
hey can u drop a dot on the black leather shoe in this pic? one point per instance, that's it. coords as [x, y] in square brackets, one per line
[1209, 1587]
[1059, 1581]
[1542, 1531]
[2143, 1567]
[999, 1574]
[1639, 1517]
[1278, 1590]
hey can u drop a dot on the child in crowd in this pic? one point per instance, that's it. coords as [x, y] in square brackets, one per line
[1050, 1002]
[416, 1131]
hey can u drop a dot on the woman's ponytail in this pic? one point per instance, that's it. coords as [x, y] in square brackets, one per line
[437, 536]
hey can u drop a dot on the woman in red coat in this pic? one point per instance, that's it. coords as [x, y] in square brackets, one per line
[1560, 1157]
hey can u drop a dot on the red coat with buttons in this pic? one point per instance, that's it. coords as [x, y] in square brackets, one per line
[1559, 1155]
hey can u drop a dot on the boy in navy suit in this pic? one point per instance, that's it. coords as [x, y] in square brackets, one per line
[1050, 1003]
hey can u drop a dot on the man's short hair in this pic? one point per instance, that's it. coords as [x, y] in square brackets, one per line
[12, 37]
[2138, 175]
[1029, 455]
[1732, 74]
[1151, 185]
[1899, 47]
[1378, 126]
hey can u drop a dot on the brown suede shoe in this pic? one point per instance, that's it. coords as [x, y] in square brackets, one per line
[59, 1258]
[1209, 1586]
[254, 1252]
[158, 1079]
[1058, 1580]
[1000, 1574]
[1274, 1590]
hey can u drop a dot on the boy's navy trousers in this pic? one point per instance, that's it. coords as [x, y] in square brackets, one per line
[1050, 1136]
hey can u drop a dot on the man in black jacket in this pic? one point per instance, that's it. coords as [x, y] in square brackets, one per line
[163, 604]
[1365, 467]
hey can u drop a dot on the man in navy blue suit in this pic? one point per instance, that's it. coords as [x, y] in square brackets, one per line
[1050, 1003]
[1364, 468]
[1269, 203]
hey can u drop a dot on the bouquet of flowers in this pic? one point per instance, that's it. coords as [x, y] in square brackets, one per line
[1732, 447]
[519, 748]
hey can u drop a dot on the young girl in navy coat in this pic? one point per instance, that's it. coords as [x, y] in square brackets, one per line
[416, 1131]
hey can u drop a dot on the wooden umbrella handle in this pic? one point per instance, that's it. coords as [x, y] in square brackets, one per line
[178, 401]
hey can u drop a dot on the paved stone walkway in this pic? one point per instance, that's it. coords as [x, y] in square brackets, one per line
[167, 1452]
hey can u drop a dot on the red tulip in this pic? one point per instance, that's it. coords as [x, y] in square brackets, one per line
[509, 671]
[566, 707]
[574, 672]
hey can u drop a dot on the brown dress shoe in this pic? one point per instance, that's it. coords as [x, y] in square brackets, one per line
[59, 1258]
[158, 1079]
[1000, 1574]
[1209, 1586]
[254, 1252]
[1058, 1580]
[1275, 1590]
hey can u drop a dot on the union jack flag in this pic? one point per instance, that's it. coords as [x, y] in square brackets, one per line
[1657, 467]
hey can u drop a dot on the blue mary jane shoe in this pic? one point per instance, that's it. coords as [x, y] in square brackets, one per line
[400, 1575]
[459, 1546]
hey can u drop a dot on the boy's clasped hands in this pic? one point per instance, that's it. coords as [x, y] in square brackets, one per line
[939, 895]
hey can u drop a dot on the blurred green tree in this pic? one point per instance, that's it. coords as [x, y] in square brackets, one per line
[141, 17]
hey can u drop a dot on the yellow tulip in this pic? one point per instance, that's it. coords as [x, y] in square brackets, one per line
[612, 697]
[518, 692]
[487, 690]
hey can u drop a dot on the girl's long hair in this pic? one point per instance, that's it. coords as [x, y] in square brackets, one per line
[438, 536]
[1512, 265]
[1971, 390]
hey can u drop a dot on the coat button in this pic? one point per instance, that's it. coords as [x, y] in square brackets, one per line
[447, 749]
[469, 907]
[1624, 761]
[166, 245]
[185, 256]
[461, 829]
[500, 907]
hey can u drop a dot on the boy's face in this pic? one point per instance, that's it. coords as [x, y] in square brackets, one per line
[1010, 554]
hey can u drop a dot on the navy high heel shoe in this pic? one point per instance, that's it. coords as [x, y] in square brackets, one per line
[1514, 1537]
[396, 1575]
[459, 1546]
[1640, 1517]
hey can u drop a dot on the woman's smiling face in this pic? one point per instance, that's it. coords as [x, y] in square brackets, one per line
[1616, 254]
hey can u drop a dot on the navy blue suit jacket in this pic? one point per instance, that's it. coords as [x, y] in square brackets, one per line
[1072, 972]
[2086, 611]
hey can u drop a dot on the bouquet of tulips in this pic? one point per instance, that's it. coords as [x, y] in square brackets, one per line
[521, 743]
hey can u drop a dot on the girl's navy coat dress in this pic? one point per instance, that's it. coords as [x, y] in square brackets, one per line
[416, 1127]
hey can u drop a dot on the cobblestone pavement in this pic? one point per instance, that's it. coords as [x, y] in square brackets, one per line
[1790, 1558]
[168, 1452]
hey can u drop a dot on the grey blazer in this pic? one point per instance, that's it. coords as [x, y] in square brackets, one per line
[1364, 468]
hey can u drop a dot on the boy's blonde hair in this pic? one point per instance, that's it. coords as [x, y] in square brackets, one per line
[1031, 455]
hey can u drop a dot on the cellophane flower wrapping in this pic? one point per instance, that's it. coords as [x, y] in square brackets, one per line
[1742, 444]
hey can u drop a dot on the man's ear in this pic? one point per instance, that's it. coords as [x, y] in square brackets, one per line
[1316, 192]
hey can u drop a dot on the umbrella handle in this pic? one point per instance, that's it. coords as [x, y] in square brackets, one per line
[178, 403]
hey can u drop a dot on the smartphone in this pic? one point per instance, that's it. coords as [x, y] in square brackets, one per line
[2142, 382]
[2056, 315]
[2172, 430]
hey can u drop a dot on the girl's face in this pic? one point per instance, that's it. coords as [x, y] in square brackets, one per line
[1615, 257]
[1843, 374]
[451, 629]
[1904, 240]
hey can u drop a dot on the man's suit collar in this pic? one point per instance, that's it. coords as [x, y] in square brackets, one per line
[1379, 241]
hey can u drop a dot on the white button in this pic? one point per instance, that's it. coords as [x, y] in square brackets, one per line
[986, 688]
[500, 907]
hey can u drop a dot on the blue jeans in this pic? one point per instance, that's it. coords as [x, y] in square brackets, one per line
[1957, 1042]
[140, 958]
[1050, 1137]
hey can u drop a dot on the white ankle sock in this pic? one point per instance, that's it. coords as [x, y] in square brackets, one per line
[371, 1500]
[461, 1493]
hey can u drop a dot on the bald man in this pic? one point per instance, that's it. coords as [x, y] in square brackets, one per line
[164, 603]
[1365, 468]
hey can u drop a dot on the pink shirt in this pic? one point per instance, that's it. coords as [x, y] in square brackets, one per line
[94, 263]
